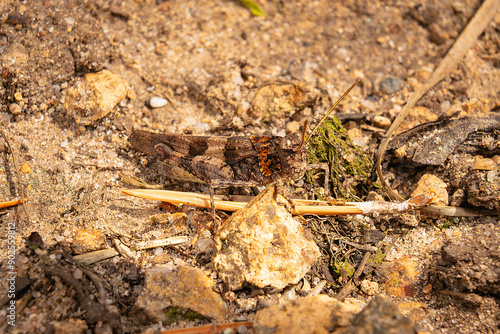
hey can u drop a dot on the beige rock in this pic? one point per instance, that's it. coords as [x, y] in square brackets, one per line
[88, 240]
[180, 286]
[318, 314]
[430, 184]
[381, 122]
[368, 287]
[485, 164]
[282, 99]
[263, 245]
[418, 115]
[94, 97]
[174, 223]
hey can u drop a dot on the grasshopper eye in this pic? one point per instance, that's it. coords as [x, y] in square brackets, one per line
[162, 151]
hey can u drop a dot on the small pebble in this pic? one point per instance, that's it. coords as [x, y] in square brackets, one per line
[431, 185]
[238, 122]
[18, 96]
[289, 293]
[15, 109]
[370, 288]
[64, 143]
[245, 105]
[485, 164]
[491, 176]
[111, 154]
[242, 330]
[157, 102]
[205, 245]
[59, 168]
[293, 127]
[381, 122]
[25, 168]
[3, 145]
[131, 94]
[445, 106]
[390, 85]
[427, 289]
[78, 273]
[42, 82]
[89, 240]
[306, 287]
[457, 198]
[228, 331]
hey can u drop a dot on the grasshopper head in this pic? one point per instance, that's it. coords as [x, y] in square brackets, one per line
[292, 157]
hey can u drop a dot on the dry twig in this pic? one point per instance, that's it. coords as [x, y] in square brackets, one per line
[19, 183]
[11, 203]
[321, 208]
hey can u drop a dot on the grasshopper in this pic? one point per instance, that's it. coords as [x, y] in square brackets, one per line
[236, 161]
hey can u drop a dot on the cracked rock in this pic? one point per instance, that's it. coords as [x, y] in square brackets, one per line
[263, 245]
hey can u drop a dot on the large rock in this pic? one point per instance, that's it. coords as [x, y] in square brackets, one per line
[94, 97]
[471, 262]
[263, 245]
[381, 315]
[180, 287]
[318, 314]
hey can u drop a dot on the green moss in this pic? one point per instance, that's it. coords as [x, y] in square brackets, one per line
[444, 225]
[377, 258]
[175, 314]
[349, 165]
[339, 264]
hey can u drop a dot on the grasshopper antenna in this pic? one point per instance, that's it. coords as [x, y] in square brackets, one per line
[326, 115]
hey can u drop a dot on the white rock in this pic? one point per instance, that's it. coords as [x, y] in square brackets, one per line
[157, 102]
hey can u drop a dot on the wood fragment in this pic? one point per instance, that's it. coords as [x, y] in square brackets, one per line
[123, 249]
[466, 39]
[161, 242]
[317, 289]
[93, 257]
